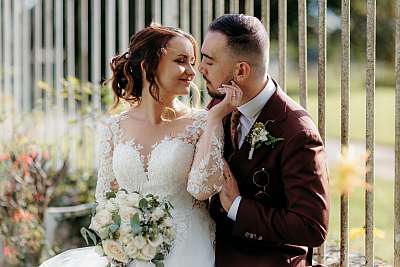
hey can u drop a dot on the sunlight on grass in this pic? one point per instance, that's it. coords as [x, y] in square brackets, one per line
[384, 115]
[384, 216]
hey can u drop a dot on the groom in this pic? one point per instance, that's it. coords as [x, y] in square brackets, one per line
[274, 205]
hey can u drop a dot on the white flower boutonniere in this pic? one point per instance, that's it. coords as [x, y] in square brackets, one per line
[260, 136]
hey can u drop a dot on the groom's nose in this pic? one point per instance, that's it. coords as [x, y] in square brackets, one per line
[201, 67]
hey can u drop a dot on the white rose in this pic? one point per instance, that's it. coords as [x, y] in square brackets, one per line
[148, 252]
[121, 194]
[115, 250]
[111, 205]
[139, 241]
[132, 250]
[168, 222]
[94, 225]
[103, 218]
[126, 239]
[126, 213]
[103, 232]
[100, 206]
[99, 250]
[122, 199]
[156, 242]
[125, 229]
[157, 214]
[133, 199]
[170, 234]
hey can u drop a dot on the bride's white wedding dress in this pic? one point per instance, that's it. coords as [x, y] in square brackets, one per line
[173, 170]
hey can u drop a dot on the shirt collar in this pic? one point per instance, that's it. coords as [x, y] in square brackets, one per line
[252, 108]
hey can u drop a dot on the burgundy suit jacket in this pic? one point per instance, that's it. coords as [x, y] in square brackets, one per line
[275, 231]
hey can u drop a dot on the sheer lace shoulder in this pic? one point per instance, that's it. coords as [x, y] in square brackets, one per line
[206, 175]
[107, 135]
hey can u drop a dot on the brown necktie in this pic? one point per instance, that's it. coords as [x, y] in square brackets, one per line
[234, 128]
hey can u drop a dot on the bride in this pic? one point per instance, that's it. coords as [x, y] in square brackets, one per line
[160, 145]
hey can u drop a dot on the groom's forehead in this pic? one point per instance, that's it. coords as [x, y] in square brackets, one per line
[213, 42]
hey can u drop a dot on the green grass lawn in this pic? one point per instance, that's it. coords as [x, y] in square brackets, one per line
[384, 115]
[384, 216]
[384, 101]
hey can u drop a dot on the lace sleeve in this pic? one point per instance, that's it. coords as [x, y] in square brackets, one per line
[206, 175]
[105, 151]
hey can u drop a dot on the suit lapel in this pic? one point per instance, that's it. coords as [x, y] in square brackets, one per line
[274, 110]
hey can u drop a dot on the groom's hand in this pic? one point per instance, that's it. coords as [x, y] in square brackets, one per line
[229, 190]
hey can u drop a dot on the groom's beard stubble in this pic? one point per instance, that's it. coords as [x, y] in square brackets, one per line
[217, 95]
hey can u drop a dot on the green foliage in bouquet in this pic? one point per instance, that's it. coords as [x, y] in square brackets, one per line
[129, 226]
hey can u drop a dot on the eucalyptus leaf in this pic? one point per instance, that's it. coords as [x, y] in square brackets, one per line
[113, 227]
[92, 237]
[84, 235]
[143, 204]
[110, 195]
[116, 218]
[135, 224]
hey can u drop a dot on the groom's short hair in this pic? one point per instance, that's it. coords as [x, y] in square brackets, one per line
[246, 36]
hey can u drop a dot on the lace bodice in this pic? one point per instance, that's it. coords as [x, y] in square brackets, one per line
[173, 168]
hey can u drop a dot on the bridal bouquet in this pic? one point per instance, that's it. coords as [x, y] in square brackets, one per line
[129, 227]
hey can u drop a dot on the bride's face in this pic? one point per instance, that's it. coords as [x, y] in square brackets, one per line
[176, 70]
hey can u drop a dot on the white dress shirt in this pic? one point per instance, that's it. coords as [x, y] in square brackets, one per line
[248, 115]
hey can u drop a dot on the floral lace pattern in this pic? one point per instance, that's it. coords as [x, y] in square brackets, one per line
[168, 170]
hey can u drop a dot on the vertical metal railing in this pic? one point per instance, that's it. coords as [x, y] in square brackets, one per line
[156, 11]
[344, 118]
[249, 7]
[302, 13]
[282, 40]
[110, 34]
[38, 71]
[219, 8]
[370, 131]
[49, 57]
[265, 15]
[139, 18]
[234, 6]
[17, 42]
[2, 109]
[123, 25]
[27, 59]
[71, 72]
[397, 144]
[321, 83]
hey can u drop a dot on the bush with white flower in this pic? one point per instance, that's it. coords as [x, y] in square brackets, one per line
[131, 227]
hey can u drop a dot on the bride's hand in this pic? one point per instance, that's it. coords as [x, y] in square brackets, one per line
[233, 98]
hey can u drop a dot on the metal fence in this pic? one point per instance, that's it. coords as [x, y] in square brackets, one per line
[48, 40]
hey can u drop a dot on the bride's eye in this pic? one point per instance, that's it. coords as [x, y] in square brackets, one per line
[180, 61]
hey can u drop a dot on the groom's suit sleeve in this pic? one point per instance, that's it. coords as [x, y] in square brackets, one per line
[304, 220]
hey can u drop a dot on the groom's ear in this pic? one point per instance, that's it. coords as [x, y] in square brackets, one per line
[242, 71]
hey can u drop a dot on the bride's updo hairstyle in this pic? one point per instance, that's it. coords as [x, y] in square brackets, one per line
[145, 46]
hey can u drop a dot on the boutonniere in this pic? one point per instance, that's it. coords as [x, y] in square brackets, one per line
[260, 136]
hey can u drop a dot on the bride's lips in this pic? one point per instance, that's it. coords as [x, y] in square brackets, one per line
[186, 81]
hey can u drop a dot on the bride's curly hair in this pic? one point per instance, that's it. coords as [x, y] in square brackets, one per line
[145, 46]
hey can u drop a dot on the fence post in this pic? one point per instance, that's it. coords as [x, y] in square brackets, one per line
[344, 118]
[302, 12]
[370, 131]
[397, 145]
[282, 39]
